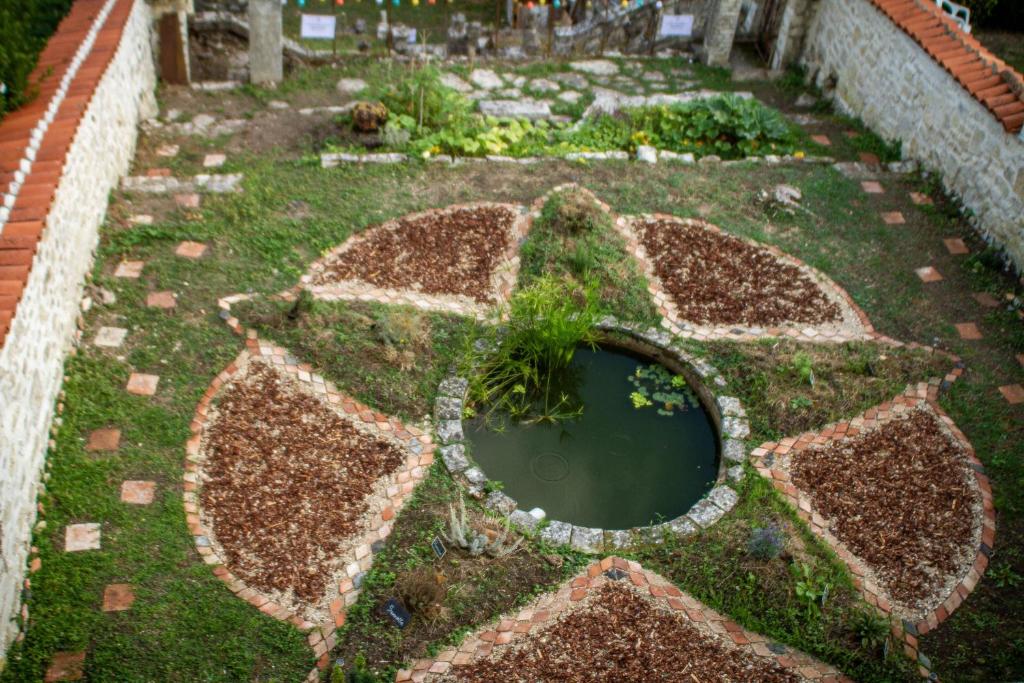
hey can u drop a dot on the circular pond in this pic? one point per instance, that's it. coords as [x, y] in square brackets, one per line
[643, 450]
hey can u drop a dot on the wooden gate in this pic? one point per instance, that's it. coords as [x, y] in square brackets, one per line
[172, 50]
[768, 32]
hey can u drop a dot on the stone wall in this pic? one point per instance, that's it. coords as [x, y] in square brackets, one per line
[44, 326]
[630, 31]
[875, 71]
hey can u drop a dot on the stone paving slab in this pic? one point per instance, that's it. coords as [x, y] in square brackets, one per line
[107, 439]
[66, 666]
[110, 337]
[118, 597]
[138, 492]
[512, 629]
[79, 537]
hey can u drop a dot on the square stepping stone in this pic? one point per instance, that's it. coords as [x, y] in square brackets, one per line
[872, 187]
[187, 201]
[956, 246]
[985, 299]
[66, 666]
[167, 151]
[107, 439]
[78, 537]
[893, 218]
[192, 250]
[822, 140]
[129, 269]
[214, 160]
[165, 300]
[920, 198]
[110, 337]
[138, 492]
[1013, 393]
[968, 330]
[928, 274]
[158, 173]
[141, 219]
[117, 597]
[141, 384]
[869, 158]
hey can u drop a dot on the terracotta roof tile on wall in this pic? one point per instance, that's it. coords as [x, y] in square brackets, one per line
[988, 79]
[21, 234]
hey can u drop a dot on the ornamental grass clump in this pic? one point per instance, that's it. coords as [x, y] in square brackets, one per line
[518, 365]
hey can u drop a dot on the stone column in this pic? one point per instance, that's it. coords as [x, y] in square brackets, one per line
[266, 62]
[796, 17]
[720, 31]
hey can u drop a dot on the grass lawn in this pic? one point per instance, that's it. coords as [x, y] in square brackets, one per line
[185, 625]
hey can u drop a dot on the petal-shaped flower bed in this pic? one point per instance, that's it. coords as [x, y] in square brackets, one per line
[712, 284]
[618, 622]
[461, 259]
[899, 495]
[295, 482]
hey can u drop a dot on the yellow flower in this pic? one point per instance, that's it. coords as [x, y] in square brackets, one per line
[426, 154]
[798, 154]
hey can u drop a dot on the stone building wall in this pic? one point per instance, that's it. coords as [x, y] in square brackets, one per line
[877, 72]
[631, 31]
[44, 326]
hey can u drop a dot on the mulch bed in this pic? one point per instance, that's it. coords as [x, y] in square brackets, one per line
[717, 279]
[898, 498]
[617, 635]
[287, 482]
[444, 252]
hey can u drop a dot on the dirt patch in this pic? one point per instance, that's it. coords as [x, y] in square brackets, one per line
[898, 497]
[717, 279]
[619, 636]
[452, 252]
[286, 483]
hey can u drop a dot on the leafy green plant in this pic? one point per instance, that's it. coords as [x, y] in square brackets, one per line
[25, 26]
[810, 587]
[657, 386]
[512, 365]
[870, 627]
[804, 369]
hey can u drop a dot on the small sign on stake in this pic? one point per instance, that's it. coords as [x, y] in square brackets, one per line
[438, 547]
[676, 25]
[318, 26]
[398, 615]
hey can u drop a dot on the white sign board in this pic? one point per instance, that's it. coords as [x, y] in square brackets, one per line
[412, 36]
[677, 25]
[318, 26]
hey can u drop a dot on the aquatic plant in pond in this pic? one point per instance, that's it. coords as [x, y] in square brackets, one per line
[656, 386]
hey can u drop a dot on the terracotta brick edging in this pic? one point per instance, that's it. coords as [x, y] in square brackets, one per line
[545, 610]
[503, 277]
[923, 395]
[401, 483]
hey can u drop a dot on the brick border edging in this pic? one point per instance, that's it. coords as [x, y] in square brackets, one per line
[400, 483]
[545, 610]
[502, 280]
[923, 395]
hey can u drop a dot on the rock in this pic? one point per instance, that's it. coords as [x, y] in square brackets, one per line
[350, 86]
[453, 386]
[501, 503]
[735, 427]
[452, 81]
[734, 451]
[805, 100]
[448, 408]
[586, 539]
[486, 79]
[618, 539]
[519, 81]
[538, 514]
[518, 109]
[729, 406]
[705, 513]
[219, 183]
[570, 96]
[524, 520]
[597, 67]
[571, 80]
[783, 198]
[509, 93]
[554, 560]
[369, 116]
[724, 497]
[454, 457]
[106, 297]
[655, 76]
[543, 85]
[735, 473]
[172, 115]
[682, 526]
[278, 104]
[449, 431]
[647, 154]
[557, 533]
[202, 121]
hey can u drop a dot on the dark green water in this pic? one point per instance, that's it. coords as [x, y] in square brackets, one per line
[614, 467]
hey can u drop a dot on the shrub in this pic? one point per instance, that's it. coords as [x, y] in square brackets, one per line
[25, 26]
[766, 544]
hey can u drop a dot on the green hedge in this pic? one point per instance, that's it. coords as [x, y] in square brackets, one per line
[25, 26]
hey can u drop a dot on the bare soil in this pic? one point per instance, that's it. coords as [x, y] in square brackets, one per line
[898, 498]
[450, 252]
[287, 482]
[718, 279]
[620, 636]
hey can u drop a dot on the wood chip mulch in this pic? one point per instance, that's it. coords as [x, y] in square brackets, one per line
[450, 252]
[717, 279]
[898, 497]
[287, 482]
[619, 636]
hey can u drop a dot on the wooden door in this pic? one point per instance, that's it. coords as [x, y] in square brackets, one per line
[172, 50]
